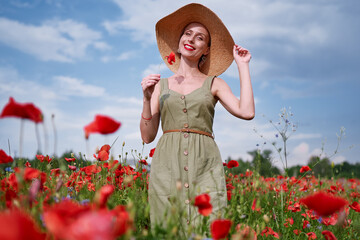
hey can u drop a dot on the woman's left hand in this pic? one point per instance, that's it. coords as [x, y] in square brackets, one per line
[241, 55]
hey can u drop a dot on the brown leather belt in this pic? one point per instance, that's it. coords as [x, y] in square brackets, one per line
[187, 130]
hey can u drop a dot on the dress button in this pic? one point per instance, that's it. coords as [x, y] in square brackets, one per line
[187, 201]
[186, 135]
[186, 152]
[186, 125]
[186, 168]
[182, 97]
[186, 185]
[185, 110]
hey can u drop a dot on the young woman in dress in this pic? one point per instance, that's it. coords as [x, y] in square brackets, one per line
[187, 161]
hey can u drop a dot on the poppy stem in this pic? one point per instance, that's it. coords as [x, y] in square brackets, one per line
[46, 139]
[21, 137]
[9, 147]
[38, 138]
[55, 133]
[87, 147]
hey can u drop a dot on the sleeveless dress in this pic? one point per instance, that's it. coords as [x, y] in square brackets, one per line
[185, 165]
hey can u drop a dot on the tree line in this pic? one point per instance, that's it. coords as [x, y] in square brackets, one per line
[262, 162]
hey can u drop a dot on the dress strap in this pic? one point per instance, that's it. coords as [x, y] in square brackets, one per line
[164, 84]
[208, 82]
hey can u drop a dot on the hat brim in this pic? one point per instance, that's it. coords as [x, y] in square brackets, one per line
[170, 28]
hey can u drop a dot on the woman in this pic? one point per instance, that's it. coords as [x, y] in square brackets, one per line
[187, 161]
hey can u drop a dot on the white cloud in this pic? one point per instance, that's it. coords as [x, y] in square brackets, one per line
[55, 40]
[122, 57]
[139, 18]
[248, 21]
[301, 136]
[70, 86]
[154, 69]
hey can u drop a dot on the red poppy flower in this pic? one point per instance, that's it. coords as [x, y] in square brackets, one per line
[16, 224]
[232, 163]
[324, 204]
[4, 158]
[311, 235]
[27, 164]
[31, 173]
[123, 222]
[328, 235]
[92, 225]
[22, 110]
[72, 168]
[268, 231]
[103, 125]
[254, 207]
[152, 151]
[92, 169]
[220, 228]
[203, 203]
[304, 169]
[103, 195]
[70, 159]
[143, 161]
[103, 154]
[170, 58]
[44, 158]
[59, 217]
[355, 206]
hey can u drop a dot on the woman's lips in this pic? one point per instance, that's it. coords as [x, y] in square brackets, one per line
[189, 47]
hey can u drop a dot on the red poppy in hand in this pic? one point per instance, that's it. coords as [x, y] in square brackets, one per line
[170, 58]
[324, 204]
[103, 125]
[220, 228]
[203, 203]
[304, 169]
[22, 110]
[4, 158]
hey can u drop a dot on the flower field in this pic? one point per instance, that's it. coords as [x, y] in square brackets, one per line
[106, 198]
[71, 198]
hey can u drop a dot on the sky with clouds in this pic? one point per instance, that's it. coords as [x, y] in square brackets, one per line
[75, 59]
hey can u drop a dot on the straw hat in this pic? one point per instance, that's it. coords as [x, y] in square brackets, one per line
[170, 28]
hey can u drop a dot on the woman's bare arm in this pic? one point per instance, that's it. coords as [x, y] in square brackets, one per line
[244, 107]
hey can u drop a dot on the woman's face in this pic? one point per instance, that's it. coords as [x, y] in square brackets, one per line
[195, 41]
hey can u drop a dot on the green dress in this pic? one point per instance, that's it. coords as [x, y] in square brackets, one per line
[185, 165]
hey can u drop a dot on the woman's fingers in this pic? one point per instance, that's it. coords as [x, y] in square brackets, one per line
[150, 80]
[240, 50]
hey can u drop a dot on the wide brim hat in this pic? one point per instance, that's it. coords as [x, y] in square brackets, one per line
[169, 30]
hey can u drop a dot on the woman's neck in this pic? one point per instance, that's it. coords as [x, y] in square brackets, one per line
[188, 69]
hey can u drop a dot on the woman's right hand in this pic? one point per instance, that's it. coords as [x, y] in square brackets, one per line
[148, 85]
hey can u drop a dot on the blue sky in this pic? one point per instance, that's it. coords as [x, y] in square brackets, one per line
[75, 59]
